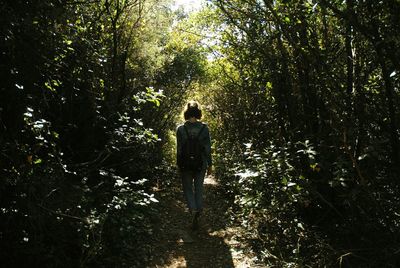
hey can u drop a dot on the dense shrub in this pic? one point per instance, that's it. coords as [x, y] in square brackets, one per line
[80, 147]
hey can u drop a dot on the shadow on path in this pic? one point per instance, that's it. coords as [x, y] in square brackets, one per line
[176, 245]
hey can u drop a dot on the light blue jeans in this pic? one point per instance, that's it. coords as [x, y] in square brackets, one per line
[193, 195]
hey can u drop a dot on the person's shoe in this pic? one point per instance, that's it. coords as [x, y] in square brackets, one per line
[195, 223]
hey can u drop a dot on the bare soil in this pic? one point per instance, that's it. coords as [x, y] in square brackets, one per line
[217, 243]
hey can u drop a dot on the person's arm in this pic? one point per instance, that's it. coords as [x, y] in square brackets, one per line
[178, 145]
[207, 145]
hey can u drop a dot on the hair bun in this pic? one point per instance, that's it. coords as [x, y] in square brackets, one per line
[192, 110]
[192, 104]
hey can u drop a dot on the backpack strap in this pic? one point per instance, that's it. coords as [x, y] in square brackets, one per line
[198, 135]
[201, 130]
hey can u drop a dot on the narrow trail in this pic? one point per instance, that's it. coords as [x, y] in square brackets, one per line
[214, 244]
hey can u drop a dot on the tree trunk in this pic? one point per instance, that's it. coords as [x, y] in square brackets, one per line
[389, 90]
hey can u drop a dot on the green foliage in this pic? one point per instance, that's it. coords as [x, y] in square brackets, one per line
[79, 153]
[306, 85]
[301, 98]
[269, 192]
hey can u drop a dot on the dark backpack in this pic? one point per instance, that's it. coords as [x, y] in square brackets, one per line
[191, 156]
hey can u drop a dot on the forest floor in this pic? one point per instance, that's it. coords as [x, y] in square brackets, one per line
[217, 242]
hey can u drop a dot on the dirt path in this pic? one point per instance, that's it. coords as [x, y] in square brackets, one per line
[215, 244]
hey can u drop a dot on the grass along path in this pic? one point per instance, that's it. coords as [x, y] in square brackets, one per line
[214, 244]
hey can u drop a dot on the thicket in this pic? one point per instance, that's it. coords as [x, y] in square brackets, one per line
[301, 98]
[305, 100]
[82, 117]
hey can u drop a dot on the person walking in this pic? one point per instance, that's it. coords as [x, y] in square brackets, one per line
[193, 158]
